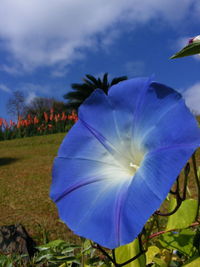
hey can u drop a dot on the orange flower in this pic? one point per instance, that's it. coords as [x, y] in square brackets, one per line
[64, 117]
[35, 120]
[12, 123]
[19, 118]
[46, 117]
[18, 124]
[51, 117]
[56, 118]
[73, 116]
[25, 123]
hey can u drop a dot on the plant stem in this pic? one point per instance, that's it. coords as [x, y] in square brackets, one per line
[166, 231]
[198, 184]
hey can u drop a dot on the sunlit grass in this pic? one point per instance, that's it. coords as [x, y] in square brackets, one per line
[25, 178]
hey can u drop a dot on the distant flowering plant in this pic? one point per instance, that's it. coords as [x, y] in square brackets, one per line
[192, 48]
[118, 162]
[194, 39]
[51, 122]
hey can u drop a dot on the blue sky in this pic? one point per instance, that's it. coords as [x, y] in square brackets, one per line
[45, 45]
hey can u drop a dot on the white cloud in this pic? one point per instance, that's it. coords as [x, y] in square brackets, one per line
[192, 98]
[61, 72]
[32, 90]
[134, 68]
[108, 38]
[38, 89]
[30, 97]
[48, 32]
[14, 69]
[4, 88]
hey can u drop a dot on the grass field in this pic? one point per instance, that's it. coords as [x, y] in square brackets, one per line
[25, 178]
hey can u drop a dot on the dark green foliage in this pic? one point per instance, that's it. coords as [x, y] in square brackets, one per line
[81, 91]
[39, 105]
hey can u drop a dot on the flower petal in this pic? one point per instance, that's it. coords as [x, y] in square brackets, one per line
[126, 98]
[162, 120]
[97, 112]
[88, 194]
[149, 188]
[81, 143]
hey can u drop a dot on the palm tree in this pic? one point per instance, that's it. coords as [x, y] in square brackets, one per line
[80, 91]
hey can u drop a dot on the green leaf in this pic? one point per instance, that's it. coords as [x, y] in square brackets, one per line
[188, 50]
[184, 216]
[182, 241]
[151, 253]
[198, 172]
[194, 262]
[86, 247]
[63, 265]
[160, 263]
[67, 258]
[127, 252]
[42, 257]
[52, 244]
[67, 250]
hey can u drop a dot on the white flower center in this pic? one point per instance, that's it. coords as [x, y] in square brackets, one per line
[134, 166]
[125, 165]
[136, 159]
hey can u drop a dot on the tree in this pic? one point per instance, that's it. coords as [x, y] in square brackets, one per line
[39, 105]
[80, 91]
[16, 104]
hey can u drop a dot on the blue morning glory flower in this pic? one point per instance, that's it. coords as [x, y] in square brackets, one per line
[118, 162]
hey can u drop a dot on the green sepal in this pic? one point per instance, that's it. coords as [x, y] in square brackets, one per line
[188, 50]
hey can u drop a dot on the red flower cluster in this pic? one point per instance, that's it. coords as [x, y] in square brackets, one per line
[50, 123]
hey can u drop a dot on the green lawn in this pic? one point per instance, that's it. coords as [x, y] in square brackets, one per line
[25, 178]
